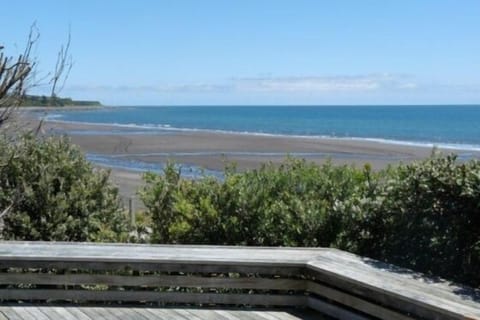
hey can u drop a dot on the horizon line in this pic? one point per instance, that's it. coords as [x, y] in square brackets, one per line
[298, 105]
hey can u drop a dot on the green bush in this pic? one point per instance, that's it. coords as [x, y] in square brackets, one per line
[289, 205]
[424, 216]
[182, 211]
[292, 204]
[56, 194]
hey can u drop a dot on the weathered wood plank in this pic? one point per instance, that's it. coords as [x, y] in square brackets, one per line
[333, 310]
[377, 282]
[91, 313]
[125, 313]
[78, 313]
[354, 302]
[95, 265]
[147, 313]
[185, 314]
[24, 314]
[156, 253]
[150, 314]
[308, 314]
[226, 315]
[207, 314]
[396, 275]
[2, 316]
[244, 314]
[153, 281]
[33, 312]
[12, 314]
[399, 295]
[103, 313]
[272, 315]
[140, 296]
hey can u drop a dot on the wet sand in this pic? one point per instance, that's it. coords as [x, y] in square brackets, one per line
[213, 150]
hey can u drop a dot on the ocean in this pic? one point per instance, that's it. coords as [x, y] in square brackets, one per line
[452, 126]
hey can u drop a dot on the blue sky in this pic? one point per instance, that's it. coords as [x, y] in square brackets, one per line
[258, 51]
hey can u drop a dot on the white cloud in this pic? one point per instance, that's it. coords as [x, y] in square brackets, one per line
[163, 88]
[292, 84]
[312, 84]
[301, 84]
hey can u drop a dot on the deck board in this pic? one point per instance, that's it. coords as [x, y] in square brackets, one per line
[13, 312]
[79, 314]
[378, 282]
[407, 286]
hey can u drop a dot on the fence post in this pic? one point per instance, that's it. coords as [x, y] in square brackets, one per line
[131, 212]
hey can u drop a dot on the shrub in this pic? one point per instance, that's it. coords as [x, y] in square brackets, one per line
[287, 205]
[292, 204]
[182, 211]
[55, 194]
[424, 216]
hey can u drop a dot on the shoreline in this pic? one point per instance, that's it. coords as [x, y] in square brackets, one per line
[110, 129]
[206, 147]
[212, 150]
[201, 146]
[163, 130]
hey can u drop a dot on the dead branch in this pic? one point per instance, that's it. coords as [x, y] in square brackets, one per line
[14, 74]
[63, 67]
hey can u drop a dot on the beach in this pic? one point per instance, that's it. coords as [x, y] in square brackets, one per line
[212, 150]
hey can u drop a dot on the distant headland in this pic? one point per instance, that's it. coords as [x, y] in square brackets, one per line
[48, 101]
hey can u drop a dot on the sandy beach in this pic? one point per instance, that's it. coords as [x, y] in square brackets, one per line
[213, 150]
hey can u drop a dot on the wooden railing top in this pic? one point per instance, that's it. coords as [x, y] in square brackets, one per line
[391, 283]
[190, 254]
[345, 271]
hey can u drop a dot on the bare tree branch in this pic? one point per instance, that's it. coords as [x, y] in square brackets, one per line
[62, 68]
[14, 74]
[17, 74]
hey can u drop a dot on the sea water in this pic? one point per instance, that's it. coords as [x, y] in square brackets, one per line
[452, 126]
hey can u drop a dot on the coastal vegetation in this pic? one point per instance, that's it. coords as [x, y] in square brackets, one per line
[48, 101]
[50, 192]
[423, 216]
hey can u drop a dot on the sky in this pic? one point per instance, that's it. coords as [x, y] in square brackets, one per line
[256, 52]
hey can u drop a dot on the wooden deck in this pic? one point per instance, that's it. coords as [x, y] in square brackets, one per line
[42, 312]
[330, 281]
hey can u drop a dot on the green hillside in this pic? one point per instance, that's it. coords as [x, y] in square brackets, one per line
[46, 101]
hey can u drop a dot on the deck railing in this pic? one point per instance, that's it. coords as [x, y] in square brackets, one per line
[336, 283]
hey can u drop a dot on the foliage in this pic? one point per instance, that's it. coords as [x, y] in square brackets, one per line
[44, 101]
[289, 205]
[51, 192]
[141, 231]
[158, 198]
[294, 204]
[424, 215]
